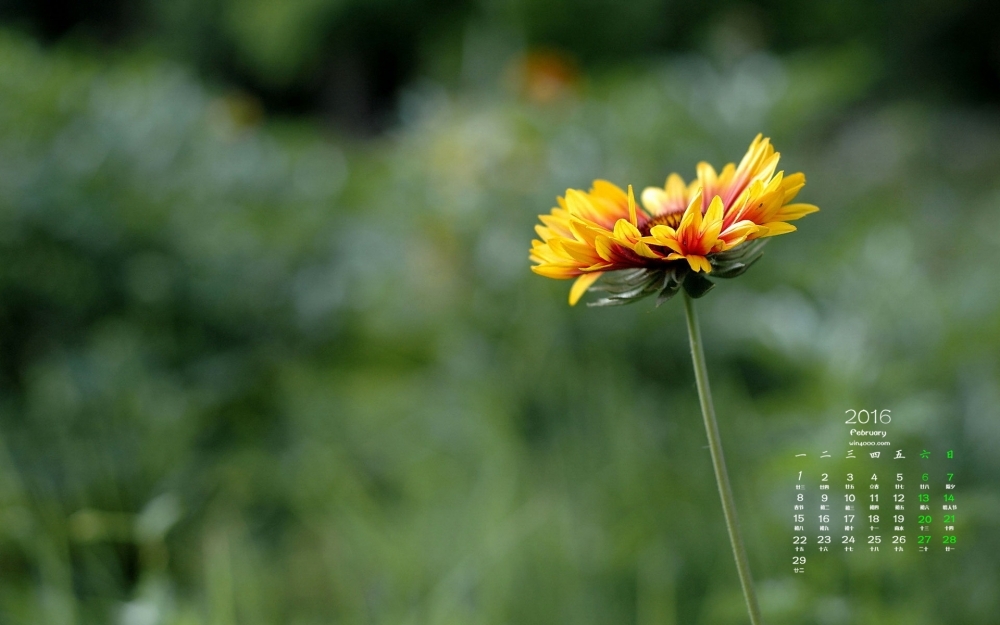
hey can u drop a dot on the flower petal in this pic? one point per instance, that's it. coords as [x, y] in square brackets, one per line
[654, 200]
[777, 227]
[626, 232]
[581, 285]
[791, 212]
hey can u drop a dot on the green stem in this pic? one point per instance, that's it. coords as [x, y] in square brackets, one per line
[719, 462]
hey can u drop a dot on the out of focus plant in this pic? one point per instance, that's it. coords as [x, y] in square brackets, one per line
[253, 372]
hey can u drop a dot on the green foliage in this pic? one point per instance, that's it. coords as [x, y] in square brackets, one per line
[252, 373]
[632, 285]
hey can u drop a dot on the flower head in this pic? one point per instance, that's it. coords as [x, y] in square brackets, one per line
[680, 233]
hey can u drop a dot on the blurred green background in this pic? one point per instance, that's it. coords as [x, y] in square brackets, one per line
[270, 351]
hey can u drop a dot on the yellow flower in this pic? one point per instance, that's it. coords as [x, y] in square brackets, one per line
[679, 232]
[699, 235]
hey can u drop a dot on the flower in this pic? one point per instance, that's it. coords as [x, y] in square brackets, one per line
[714, 225]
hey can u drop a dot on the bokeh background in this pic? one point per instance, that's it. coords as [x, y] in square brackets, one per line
[270, 351]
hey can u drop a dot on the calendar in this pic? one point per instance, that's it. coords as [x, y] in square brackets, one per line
[873, 493]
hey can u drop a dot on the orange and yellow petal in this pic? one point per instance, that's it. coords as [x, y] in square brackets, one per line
[775, 228]
[672, 198]
[695, 261]
[581, 285]
[603, 229]
[791, 212]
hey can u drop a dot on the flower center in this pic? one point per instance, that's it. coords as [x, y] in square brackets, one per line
[672, 219]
